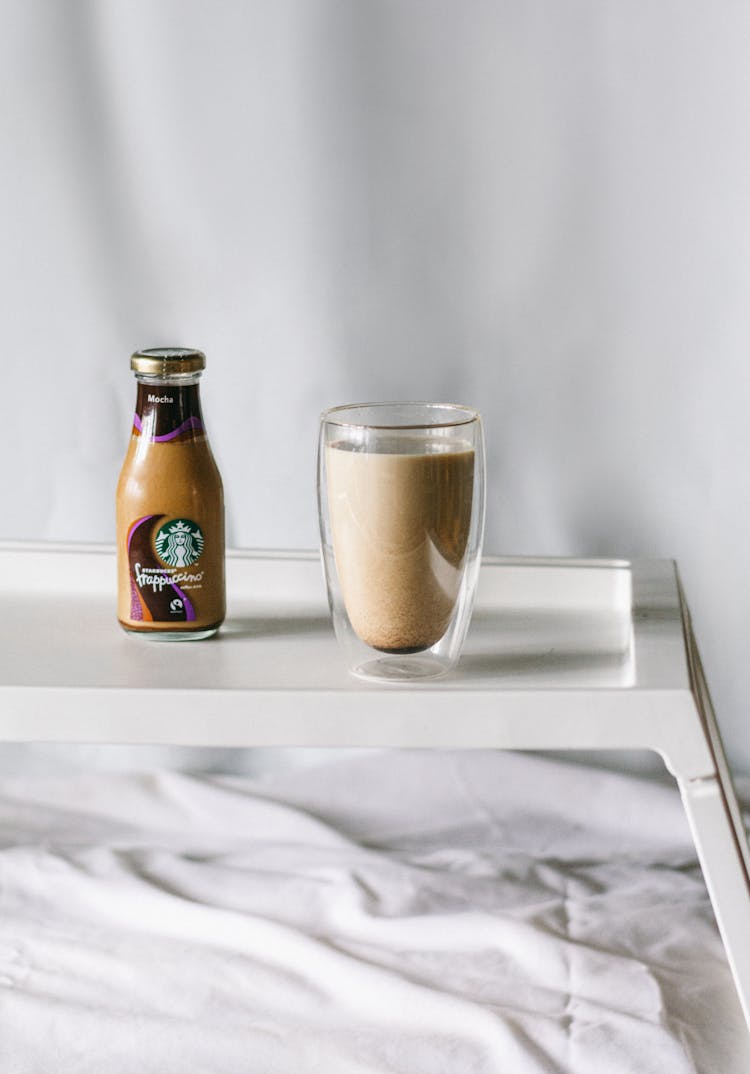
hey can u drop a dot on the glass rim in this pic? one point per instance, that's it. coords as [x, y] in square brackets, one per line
[465, 416]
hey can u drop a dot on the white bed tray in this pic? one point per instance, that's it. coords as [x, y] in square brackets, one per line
[561, 654]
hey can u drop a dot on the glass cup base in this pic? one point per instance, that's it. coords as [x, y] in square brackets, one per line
[400, 669]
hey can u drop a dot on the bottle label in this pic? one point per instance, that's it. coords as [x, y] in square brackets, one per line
[165, 571]
[167, 414]
[179, 543]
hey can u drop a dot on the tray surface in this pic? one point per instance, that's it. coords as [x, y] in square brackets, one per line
[537, 624]
[541, 628]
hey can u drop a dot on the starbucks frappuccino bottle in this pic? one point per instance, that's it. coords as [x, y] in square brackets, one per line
[170, 506]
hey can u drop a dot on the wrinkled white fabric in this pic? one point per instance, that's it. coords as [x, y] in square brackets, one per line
[397, 913]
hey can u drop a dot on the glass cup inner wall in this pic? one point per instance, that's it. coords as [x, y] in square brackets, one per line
[401, 493]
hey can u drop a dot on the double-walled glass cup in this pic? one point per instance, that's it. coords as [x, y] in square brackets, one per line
[401, 506]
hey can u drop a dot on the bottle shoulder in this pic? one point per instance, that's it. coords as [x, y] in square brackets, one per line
[191, 463]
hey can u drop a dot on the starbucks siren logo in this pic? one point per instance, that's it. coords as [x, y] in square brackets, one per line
[179, 543]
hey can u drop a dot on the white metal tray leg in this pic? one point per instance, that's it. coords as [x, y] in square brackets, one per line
[724, 871]
[719, 833]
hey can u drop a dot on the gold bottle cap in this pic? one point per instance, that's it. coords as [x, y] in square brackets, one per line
[166, 361]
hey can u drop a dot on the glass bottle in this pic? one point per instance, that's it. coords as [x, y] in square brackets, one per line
[170, 506]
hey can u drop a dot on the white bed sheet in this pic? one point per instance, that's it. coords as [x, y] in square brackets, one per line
[394, 913]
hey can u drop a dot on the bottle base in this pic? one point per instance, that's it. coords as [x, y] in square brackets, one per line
[155, 634]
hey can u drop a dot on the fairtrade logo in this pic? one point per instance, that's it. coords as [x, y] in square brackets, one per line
[179, 543]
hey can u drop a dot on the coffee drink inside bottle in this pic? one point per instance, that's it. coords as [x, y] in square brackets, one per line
[170, 506]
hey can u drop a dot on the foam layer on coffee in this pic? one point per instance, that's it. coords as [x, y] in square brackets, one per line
[400, 521]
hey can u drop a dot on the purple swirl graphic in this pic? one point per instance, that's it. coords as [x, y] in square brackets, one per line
[188, 423]
[136, 525]
[136, 612]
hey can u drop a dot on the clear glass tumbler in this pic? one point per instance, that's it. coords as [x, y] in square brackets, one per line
[401, 507]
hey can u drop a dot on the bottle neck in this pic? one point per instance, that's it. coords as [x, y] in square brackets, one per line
[168, 409]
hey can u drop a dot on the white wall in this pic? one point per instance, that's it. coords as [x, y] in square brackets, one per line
[536, 207]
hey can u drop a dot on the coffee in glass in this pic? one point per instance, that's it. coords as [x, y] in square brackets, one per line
[401, 496]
